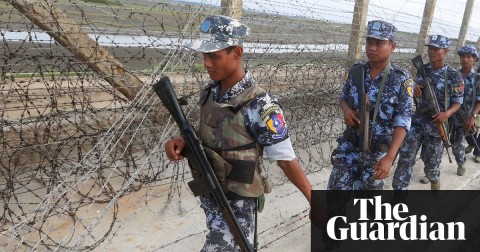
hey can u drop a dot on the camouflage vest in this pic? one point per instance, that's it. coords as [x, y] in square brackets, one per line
[222, 129]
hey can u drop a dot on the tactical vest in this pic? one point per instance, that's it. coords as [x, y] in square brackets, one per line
[222, 129]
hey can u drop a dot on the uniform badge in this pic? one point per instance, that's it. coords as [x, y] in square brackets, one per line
[277, 125]
[410, 91]
[458, 88]
[408, 84]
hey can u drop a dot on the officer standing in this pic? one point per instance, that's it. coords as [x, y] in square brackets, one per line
[238, 120]
[468, 56]
[473, 120]
[390, 90]
[448, 87]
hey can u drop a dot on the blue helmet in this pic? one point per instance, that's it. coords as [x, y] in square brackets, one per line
[468, 49]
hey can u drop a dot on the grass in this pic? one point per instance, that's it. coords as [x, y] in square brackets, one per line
[104, 2]
[49, 74]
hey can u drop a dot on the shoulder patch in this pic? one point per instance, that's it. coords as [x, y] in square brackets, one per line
[458, 88]
[408, 84]
[273, 118]
[266, 112]
[277, 125]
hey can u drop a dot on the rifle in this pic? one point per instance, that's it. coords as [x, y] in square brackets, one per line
[199, 160]
[462, 117]
[431, 103]
[358, 77]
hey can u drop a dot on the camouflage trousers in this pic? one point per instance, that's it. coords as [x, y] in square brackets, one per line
[348, 173]
[458, 149]
[219, 238]
[431, 155]
[471, 141]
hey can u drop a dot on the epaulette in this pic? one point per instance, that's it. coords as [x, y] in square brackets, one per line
[399, 70]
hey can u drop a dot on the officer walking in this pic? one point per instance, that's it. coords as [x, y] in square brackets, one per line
[390, 90]
[468, 56]
[473, 120]
[448, 88]
[238, 120]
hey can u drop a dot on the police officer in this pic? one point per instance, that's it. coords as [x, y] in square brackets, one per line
[390, 90]
[473, 121]
[238, 120]
[448, 88]
[468, 56]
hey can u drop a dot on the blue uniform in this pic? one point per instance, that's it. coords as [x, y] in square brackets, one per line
[458, 132]
[425, 132]
[395, 110]
[262, 123]
[265, 121]
[471, 139]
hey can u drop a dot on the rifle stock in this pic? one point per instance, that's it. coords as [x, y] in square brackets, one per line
[358, 76]
[164, 90]
[432, 102]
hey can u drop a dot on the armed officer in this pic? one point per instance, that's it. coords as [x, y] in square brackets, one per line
[448, 87]
[390, 91]
[468, 56]
[238, 120]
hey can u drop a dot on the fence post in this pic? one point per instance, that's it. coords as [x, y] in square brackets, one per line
[358, 29]
[232, 8]
[426, 22]
[71, 36]
[466, 19]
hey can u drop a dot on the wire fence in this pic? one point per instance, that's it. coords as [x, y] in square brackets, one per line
[79, 161]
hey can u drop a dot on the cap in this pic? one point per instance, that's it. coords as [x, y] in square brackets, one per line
[382, 30]
[468, 49]
[438, 41]
[219, 32]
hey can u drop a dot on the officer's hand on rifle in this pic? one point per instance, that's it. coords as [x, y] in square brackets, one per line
[417, 90]
[174, 148]
[469, 125]
[351, 118]
[440, 117]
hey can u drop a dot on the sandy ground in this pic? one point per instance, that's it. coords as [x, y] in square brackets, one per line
[283, 226]
[146, 222]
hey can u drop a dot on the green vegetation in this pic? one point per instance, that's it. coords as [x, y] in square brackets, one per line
[49, 74]
[105, 2]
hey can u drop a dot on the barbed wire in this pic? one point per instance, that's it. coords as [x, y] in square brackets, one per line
[79, 161]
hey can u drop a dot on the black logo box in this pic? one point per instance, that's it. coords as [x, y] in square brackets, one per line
[430, 209]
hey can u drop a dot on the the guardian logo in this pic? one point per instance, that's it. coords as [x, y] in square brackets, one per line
[391, 223]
